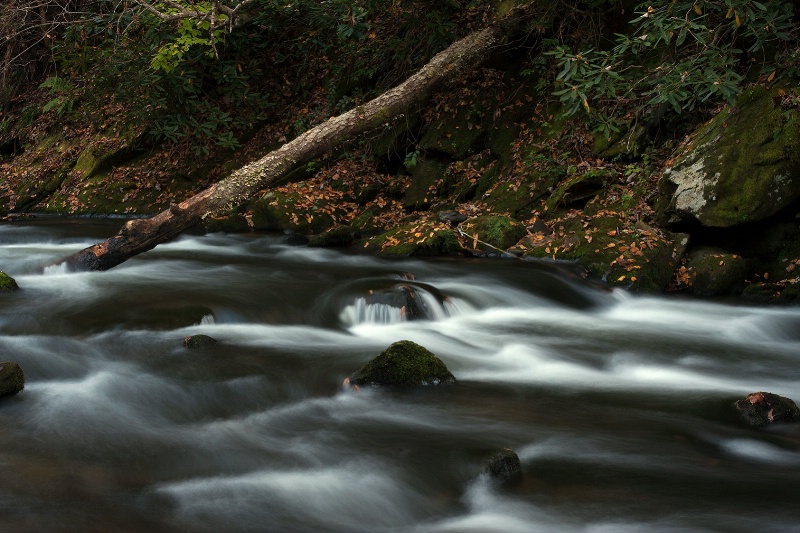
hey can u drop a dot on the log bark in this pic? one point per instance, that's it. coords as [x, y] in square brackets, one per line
[141, 235]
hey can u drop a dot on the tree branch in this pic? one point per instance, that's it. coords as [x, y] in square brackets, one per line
[138, 236]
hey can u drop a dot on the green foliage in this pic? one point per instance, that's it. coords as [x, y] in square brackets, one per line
[411, 158]
[63, 95]
[189, 34]
[681, 54]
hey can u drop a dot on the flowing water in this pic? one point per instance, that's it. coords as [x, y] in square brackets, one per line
[618, 405]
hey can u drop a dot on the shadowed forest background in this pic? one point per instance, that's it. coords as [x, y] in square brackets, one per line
[576, 137]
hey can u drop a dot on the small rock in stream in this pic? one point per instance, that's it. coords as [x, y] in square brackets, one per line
[7, 283]
[199, 341]
[12, 378]
[763, 408]
[505, 467]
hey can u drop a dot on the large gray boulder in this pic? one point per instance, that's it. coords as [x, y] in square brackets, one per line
[741, 167]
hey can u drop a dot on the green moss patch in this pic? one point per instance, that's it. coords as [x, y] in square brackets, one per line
[403, 364]
[742, 167]
[493, 232]
[423, 238]
[7, 283]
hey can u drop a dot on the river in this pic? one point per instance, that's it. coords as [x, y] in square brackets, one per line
[618, 405]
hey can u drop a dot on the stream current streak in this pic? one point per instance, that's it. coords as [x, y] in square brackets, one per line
[618, 406]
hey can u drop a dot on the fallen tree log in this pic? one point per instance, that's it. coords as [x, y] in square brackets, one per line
[141, 235]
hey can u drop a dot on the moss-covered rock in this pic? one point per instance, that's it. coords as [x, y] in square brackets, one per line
[12, 378]
[417, 239]
[742, 167]
[580, 188]
[764, 292]
[763, 408]
[336, 236]
[714, 272]
[232, 223]
[290, 209]
[7, 283]
[403, 364]
[40, 186]
[536, 174]
[107, 150]
[493, 232]
[612, 248]
[629, 143]
[460, 133]
[426, 177]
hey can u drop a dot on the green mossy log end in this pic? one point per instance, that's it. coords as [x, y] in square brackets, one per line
[403, 364]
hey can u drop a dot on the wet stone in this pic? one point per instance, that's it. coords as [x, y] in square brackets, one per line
[505, 467]
[763, 408]
[12, 378]
[195, 342]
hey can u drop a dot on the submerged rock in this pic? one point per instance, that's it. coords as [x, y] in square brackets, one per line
[199, 341]
[763, 408]
[12, 378]
[7, 283]
[403, 364]
[505, 467]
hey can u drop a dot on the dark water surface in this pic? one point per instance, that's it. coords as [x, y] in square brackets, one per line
[618, 405]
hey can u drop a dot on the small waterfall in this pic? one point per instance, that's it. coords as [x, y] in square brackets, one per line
[363, 312]
[56, 270]
[400, 303]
